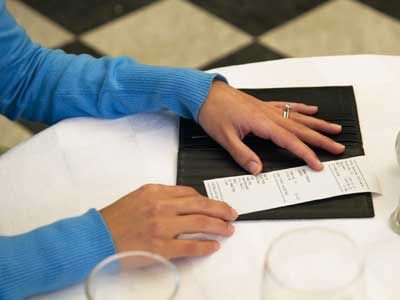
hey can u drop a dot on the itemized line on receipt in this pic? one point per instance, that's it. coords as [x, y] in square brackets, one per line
[334, 176]
[288, 187]
[216, 196]
[362, 174]
[279, 187]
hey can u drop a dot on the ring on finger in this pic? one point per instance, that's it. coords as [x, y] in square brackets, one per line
[286, 111]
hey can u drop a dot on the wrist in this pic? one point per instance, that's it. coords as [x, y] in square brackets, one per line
[181, 90]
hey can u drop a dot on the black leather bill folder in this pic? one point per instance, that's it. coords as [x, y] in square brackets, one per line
[201, 158]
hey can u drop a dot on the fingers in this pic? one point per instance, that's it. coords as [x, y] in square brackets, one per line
[184, 248]
[183, 200]
[287, 140]
[313, 137]
[316, 124]
[205, 206]
[242, 154]
[297, 107]
[299, 114]
[200, 224]
[169, 190]
[181, 191]
[295, 124]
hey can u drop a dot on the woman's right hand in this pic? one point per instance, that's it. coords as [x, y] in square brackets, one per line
[152, 217]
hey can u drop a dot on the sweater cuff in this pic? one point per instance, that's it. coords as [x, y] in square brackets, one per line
[181, 90]
[53, 256]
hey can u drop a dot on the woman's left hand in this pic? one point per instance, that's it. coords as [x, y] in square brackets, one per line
[228, 115]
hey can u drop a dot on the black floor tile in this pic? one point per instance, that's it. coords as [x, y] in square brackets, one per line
[389, 7]
[257, 16]
[33, 127]
[252, 53]
[78, 47]
[81, 15]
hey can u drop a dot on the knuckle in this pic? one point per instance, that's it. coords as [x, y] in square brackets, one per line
[151, 188]
[306, 153]
[285, 140]
[221, 207]
[204, 204]
[154, 208]
[204, 248]
[189, 190]
[321, 141]
[156, 228]
[316, 124]
[192, 190]
[229, 137]
[226, 209]
[202, 221]
[321, 122]
[194, 248]
[225, 206]
[300, 106]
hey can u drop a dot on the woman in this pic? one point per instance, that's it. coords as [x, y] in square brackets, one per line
[48, 85]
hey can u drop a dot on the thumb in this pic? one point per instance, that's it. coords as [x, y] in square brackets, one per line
[242, 154]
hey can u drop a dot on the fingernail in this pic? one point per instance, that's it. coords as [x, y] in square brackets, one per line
[337, 126]
[231, 228]
[314, 107]
[319, 165]
[234, 214]
[341, 146]
[216, 246]
[253, 167]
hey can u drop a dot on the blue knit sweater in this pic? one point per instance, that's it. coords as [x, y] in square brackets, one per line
[48, 85]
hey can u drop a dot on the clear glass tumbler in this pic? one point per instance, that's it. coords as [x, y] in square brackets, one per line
[133, 275]
[313, 264]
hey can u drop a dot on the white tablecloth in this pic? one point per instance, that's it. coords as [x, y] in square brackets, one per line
[83, 163]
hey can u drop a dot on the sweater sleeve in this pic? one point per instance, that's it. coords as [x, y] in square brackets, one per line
[53, 256]
[46, 85]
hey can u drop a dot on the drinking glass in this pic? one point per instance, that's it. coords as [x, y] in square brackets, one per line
[313, 264]
[133, 275]
[395, 219]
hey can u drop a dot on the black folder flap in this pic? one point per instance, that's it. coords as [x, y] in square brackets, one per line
[200, 158]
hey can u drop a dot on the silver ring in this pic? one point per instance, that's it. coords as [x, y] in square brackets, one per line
[286, 111]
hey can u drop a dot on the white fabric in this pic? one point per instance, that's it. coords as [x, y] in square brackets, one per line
[82, 163]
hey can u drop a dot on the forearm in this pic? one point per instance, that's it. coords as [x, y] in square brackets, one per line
[53, 256]
[48, 85]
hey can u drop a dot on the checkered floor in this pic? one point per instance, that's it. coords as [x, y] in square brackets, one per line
[206, 33]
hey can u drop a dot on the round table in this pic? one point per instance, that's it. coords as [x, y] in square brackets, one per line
[82, 163]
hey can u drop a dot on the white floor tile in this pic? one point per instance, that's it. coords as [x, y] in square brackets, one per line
[169, 32]
[338, 27]
[40, 29]
[12, 133]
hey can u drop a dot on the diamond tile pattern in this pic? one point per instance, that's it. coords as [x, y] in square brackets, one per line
[258, 16]
[77, 47]
[338, 27]
[390, 7]
[41, 29]
[82, 15]
[12, 133]
[195, 36]
[248, 54]
[205, 33]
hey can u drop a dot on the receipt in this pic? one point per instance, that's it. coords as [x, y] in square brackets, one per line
[269, 190]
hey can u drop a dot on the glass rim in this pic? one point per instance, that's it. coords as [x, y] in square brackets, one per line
[270, 272]
[124, 254]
